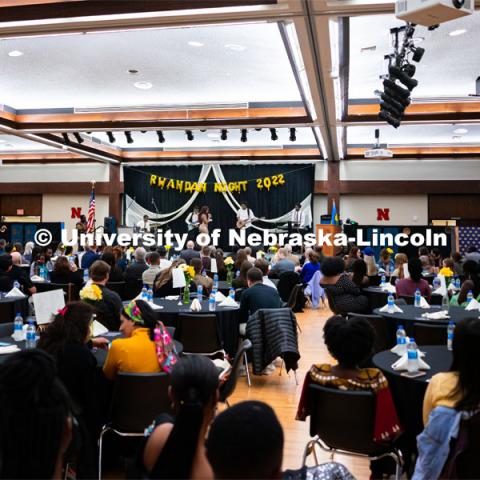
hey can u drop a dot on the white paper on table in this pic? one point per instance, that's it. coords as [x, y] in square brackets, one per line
[388, 287]
[178, 278]
[424, 303]
[9, 349]
[452, 287]
[47, 304]
[14, 292]
[473, 305]
[98, 329]
[441, 315]
[154, 306]
[213, 265]
[220, 297]
[402, 363]
[195, 306]
[406, 273]
[171, 297]
[442, 289]
[399, 349]
[229, 302]
[396, 309]
[36, 278]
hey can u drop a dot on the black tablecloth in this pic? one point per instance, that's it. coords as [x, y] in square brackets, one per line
[227, 317]
[414, 314]
[377, 297]
[9, 307]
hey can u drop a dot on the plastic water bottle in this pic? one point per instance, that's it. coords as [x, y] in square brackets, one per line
[231, 293]
[149, 295]
[436, 283]
[85, 275]
[418, 298]
[401, 335]
[450, 332]
[30, 336]
[390, 304]
[412, 352]
[237, 274]
[215, 281]
[211, 303]
[16, 284]
[200, 292]
[458, 283]
[383, 280]
[18, 327]
[445, 303]
[469, 296]
[144, 295]
[44, 272]
[204, 273]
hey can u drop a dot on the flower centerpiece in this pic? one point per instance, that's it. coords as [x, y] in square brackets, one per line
[167, 248]
[189, 273]
[229, 266]
[91, 294]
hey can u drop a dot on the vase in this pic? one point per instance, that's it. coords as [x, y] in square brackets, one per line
[230, 277]
[186, 295]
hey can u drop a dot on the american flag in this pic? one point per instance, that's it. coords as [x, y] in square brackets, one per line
[91, 212]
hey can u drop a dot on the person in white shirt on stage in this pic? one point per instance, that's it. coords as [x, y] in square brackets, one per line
[144, 225]
[245, 216]
[193, 223]
[299, 218]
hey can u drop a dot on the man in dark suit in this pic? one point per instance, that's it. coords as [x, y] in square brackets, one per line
[257, 295]
[189, 252]
[135, 270]
[89, 257]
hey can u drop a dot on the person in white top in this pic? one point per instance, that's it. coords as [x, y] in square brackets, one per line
[298, 218]
[244, 216]
[144, 225]
[192, 219]
[263, 266]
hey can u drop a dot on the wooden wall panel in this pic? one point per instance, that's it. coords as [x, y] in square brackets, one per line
[31, 204]
[464, 206]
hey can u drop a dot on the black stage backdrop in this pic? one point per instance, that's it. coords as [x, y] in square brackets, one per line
[299, 183]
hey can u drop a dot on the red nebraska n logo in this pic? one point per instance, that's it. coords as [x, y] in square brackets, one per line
[76, 212]
[383, 214]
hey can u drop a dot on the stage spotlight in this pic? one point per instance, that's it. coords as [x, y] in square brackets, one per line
[190, 136]
[161, 138]
[128, 136]
[66, 140]
[418, 53]
[402, 76]
[293, 135]
[111, 138]
[243, 137]
[78, 138]
[273, 134]
[224, 134]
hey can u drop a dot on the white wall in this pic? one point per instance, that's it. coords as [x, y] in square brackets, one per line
[404, 209]
[74, 172]
[447, 169]
[321, 170]
[58, 208]
[320, 203]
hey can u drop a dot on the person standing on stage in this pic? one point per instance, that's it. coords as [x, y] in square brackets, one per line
[298, 220]
[204, 218]
[192, 223]
[245, 216]
[144, 225]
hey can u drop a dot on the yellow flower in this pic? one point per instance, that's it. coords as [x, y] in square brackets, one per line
[273, 249]
[91, 293]
[229, 261]
[190, 271]
[446, 272]
[168, 247]
[389, 250]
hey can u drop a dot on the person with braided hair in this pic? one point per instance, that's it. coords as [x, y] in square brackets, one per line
[36, 422]
[175, 447]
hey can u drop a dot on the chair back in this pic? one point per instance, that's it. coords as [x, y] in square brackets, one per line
[198, 333]
[229, 386]
[131, 289]
[434, 334]
[292, 300]
[48, 287]
[343, 419]
[137, 399]
[286, 283]
[383, 340]
[6, 329]
[118, 287]
[331, 302]
[238, 293]
[435, 299]
[410, 299]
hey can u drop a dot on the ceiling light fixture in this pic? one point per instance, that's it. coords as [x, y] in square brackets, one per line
[133, 71]
[143, 85]
[213, 135]
[235, 47]
[15, 53]
[293, 135]
[111, 138]
[161, 138]
[456, 33]
[243, 137]
[193, 43]
[224, 134]
[460, 131]
[128, 136]
[66, 140]
[189, 134]
[273, 134]
[78, 137]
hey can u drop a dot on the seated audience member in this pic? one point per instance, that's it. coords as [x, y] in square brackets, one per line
[240, 257]
[65, 272]
[3, 244]
[427, 267]
[350, 342]
[472, 254]
[457, 263]
[153, 261]
[447, 267]
[163, 283]
[257, 295]
[41, 258]
[309, 268]
[248, 252]
[9, 274]
[408, 286]
[189, 252]
[27, 253]
[359, 273]
[136, 268]
[241, 280]
[164, 261]
[108, 307]
[89, 256]
[290, 256]
[436, 258]
[385, 263]
[283, 264]
[346, 295]
[263, 266]
[199, 279]
[221, 269]
[137, 352]
[205, 258]
[37, 412]
[400, 260]
[116, 274]
[470, 285]
[247, 430]
[120, 258]
[175, 447]
[448, 396]
[369, 259]
[353, 255]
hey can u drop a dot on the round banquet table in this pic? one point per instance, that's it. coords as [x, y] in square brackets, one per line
[228, 319]
[377, 297]
[408, 393]
[9, 307]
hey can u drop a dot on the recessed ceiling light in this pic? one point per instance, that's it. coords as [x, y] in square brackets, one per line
[456, 137]
[196, 44]
[235, 47]
[460, 131]
[133, 71]
[15, 53]
[143, 85]
[213, 135]
[456, 33]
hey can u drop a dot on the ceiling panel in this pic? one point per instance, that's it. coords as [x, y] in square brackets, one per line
[12, 144]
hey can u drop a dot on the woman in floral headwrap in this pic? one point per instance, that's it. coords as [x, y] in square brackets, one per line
[147, 346]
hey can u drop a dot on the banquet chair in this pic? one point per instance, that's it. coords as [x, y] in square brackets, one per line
[6, 329]
[379, 324]
[296, 301]
[331, 303]
[118, 287]
[238, 293]
[48, 287]
[199, 334]
[138, 398]
[228, 387]
[132, 289]
[430, 334]
[286, 283]
[342, 422]
[409, 299]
